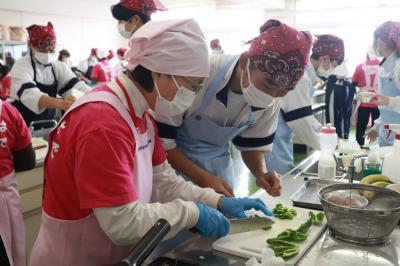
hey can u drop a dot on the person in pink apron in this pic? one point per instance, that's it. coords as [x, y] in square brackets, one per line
[16, 154]
[107, 180]
[365, 77]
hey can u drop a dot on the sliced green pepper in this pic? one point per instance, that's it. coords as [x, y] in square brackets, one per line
[289, 253]
[282, 212]
[267, 227]
[303, 228]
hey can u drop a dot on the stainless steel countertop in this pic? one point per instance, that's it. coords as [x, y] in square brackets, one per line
[326, 251]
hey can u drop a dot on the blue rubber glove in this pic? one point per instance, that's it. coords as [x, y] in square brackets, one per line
[235, 207]
[211, 222]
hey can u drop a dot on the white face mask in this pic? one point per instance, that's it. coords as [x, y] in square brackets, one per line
[125, 34]
[253, 96]
[322, 72]
[180, 103]
[45, 58]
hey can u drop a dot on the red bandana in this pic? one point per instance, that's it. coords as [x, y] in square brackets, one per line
[42, 37]
[215, 43]
[121, 51]
[330, 45]
[146, 7]
[281, 52]
[93, 51]
[389, 32]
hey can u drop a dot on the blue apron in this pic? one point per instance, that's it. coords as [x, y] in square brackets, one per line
[387, 87]
[51, 90]
[205, 142]
[281, 157]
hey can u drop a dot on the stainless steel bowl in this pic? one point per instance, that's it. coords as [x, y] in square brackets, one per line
[370, 224]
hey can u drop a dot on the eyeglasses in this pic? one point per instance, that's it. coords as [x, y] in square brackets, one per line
[196, 87]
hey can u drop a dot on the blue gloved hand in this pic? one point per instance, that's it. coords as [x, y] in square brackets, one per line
[235, 207]
[211, 222]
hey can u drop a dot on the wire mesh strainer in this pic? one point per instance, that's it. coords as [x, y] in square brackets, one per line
[370, 219]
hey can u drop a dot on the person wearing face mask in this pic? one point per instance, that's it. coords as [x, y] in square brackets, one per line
[85, 66]
[239, 103]
[102, 72]
[38, 78]
[296, 117]
[64, 56]
[133, 14]
[5, 82]
[387, 45]
[107, 178]
[365, 77]
[121, 63]
[215, 46]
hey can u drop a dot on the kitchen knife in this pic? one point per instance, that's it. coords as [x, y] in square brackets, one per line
[249, 224]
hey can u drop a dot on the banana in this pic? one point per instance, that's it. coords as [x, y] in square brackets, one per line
[380, 183]
[368, 194]
[374, 178]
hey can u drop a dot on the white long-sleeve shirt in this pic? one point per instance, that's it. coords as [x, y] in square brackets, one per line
[226, 109]
[173, 200]
[296, 109]
[23, 86]
[172, 197]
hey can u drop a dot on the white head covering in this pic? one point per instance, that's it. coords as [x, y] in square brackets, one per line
[174, 47]
[102, 53]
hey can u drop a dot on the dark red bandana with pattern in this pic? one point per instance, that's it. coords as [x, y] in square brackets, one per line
[281, 52]
[42, 37]
[146, 7]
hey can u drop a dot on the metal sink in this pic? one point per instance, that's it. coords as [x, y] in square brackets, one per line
[312, 171]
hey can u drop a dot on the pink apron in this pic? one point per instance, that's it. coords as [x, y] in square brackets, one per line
[369, 86]
[12, 228]
[83, 242]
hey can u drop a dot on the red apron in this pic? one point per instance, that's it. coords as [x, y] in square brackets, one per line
[83, 242]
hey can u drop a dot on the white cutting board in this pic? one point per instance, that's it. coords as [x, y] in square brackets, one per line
[249, 244]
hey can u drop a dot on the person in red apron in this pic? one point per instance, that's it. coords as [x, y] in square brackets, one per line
[133, 14]
[16, 154]
[38, 78]
[107, 180]
[102, 72]
[5, 82]
[366, 78]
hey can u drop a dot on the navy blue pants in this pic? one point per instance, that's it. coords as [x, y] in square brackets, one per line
[342, 104]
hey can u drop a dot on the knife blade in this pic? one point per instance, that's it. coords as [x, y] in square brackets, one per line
[249, 224]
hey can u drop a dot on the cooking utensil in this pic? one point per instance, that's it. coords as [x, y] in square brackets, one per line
[307, 195]
[249, 224]
[366, 225]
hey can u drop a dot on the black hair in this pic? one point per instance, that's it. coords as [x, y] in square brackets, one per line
[3, 70]
[143, 76]
[120, 12]
[63, 53]
[315, 56]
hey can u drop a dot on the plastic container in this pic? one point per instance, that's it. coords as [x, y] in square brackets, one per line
[373, 165]
[326, 163]
[390, 167]
[365, 96]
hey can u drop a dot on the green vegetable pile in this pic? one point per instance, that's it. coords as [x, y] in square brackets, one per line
[283, 212]
[284, 244]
